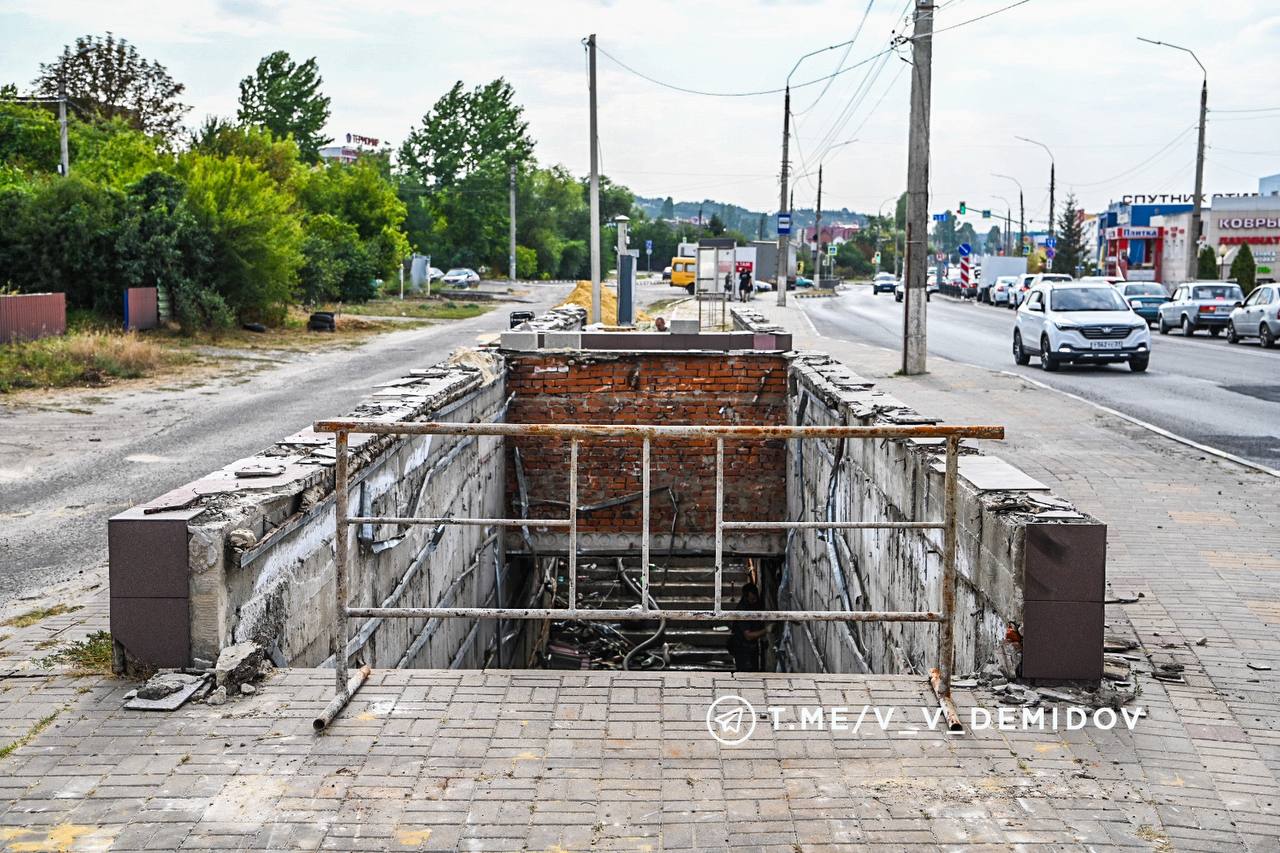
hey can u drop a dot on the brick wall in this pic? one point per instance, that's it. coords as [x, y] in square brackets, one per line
[650, 388]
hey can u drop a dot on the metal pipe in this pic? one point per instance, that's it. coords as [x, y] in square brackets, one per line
[947, 633]
[338, 640]
[943, 695]
[573, 525]
[637, 615]
[833, 525]
[652, 431]
[338, 702]
[471, 522]
[644, 524]
[719, 519]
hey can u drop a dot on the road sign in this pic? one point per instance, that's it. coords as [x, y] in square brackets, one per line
[831, 250]
[648, 247]
[1051, 242]
[986, 214]
[784, 223]
[1050, 252]
[965, 250]
[941, 217]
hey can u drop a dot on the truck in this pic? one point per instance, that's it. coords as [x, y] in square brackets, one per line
[766, 268]
[994, 266]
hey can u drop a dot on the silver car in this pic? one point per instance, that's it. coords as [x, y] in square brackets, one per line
[1200, 305]
[1259, 316]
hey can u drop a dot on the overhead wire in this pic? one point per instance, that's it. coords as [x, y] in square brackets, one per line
[843, 58]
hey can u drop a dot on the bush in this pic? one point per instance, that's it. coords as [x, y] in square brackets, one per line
[526, 262]
[1244, 269]
[199, 309]
[1207, 264]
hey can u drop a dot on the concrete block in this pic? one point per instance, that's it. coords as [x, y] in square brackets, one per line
[562, 340]
[519, 341]
[1062, 640]
[1065, 562]
[684, 327]
[153, 631]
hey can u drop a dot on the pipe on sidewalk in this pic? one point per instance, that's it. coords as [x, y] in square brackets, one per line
[945, 702]
[337, 703]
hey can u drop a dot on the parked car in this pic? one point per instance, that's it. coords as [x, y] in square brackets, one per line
[883, 282]
[461, 277]
[801, 281]
[1258, 316]
[1200, 305]
[434, 273]
[1072, 322]
[666, 273]
[1001, 289]
[1026, 281]
[1144, 297]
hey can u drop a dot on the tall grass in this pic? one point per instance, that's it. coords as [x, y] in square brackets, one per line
[80, 358]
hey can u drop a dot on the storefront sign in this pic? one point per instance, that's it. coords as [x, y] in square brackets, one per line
[1247, 222]
[1132, 232]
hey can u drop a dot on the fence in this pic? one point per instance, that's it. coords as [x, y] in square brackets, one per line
[30, 316]
[345, 684]
[141, 308]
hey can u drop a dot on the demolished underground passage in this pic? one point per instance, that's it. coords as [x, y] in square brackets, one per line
[608, 507]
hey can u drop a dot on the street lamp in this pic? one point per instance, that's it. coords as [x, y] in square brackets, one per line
[783, 239]
[1008, 215]
[1022, 213]
[1051, 171]
[1196, 210]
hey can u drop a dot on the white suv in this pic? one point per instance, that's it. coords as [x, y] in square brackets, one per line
[1079, 322]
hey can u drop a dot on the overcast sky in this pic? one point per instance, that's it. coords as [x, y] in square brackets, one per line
[1118, 114]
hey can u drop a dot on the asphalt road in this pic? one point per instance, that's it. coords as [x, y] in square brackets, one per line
[72, 459]
[1201, 388]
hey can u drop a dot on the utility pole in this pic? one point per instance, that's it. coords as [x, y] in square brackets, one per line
[784, 239]
[914, 349]
[512, 216]
[1052, 167]
[594, 187]
[1022, 213]
[817, 235]
[1197, 210]
[62, 132]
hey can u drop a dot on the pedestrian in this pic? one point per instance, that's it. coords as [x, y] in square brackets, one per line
[744, 636]
[728, 284]
[744, 285]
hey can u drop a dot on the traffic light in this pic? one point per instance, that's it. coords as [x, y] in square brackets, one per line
[961, 208]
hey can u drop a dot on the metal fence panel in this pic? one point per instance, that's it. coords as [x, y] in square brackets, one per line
[29, 316]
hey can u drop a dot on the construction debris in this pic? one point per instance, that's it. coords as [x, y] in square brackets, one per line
[165, 691]
[238, 665]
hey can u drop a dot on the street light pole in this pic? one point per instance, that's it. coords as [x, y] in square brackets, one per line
[594, 186]
[1051, 177]
[1197, 210]
[1008, 215]
[1022, 212]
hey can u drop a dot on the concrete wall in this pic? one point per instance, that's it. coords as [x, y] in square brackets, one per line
[247, 552]
[1024, 556]
[741, 388]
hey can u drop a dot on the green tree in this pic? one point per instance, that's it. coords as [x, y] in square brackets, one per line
[114, 154]
[277, 156]
[1244, 270]
[285, 98]
[900, 213]
[994, 242]
[256, 235]
[716, 225]
[668, 208]
[28, 138]
[465, 132]
[107, 77]
[359, 194]
[1071, 250]
[1207, 264]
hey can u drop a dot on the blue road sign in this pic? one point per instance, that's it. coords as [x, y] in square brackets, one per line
[1051, 242]
[939, 217]
[784, 223]
[965, 250]
[648, 247]
[1050, 252]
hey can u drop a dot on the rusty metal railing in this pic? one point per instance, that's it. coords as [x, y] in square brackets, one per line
[346, 684]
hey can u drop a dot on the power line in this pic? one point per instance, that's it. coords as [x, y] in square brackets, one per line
[844, 57]
[972, 20]
[1252, 110]
[1144, 163]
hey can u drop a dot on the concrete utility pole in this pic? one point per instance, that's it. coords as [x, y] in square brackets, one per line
[784, 239]
[1051, 178]
[512, 216]
[817, 235]
[62, 133]
[594, 192]
[914, 341]
[1197, 210]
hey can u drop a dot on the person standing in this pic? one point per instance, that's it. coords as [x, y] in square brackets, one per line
[745, 636]
[744, 285]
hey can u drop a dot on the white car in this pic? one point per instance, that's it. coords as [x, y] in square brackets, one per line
[434, 273]
[1002, 289]
[1074, 322]
[930, 289]
[1029, 280]
[462, 277]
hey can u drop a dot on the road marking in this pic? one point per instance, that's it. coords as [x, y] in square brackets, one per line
[1203, 448]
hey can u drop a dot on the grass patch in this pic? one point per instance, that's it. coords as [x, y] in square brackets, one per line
[93, 654]
[82, 358]
[31, 617]
[423, 308]
[40, 726]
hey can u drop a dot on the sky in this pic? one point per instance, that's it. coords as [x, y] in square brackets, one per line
[1118, 115]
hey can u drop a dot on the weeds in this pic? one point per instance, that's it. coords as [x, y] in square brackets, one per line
[6, 751]
[31, 617]
[93, 654]
[81, 358]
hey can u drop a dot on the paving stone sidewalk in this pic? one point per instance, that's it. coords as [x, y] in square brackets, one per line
[578, 761]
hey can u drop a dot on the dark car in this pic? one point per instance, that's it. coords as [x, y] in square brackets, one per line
[883, 282]
[1144, 297]
[1200, 305]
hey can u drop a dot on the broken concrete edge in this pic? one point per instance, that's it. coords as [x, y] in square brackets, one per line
[1029, 560]
[169, 597]
[750, 320]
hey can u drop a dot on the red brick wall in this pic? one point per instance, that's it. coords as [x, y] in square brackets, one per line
[651, 388]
